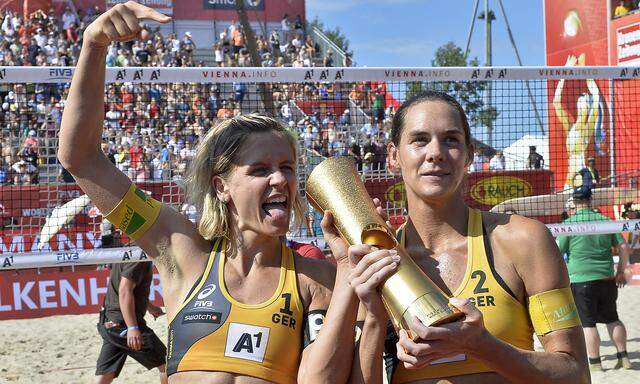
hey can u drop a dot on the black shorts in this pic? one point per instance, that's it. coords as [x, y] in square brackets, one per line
[114, 350]
[596, 301]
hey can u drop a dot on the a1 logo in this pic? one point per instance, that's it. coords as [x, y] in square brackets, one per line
[247, 342]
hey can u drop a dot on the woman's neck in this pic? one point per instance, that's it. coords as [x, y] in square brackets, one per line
[436, 224]
[251, 249]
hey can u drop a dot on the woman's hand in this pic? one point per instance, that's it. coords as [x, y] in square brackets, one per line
[460, 337]
[372, 268]
[120, 23]
[339, 247]
[332, 237]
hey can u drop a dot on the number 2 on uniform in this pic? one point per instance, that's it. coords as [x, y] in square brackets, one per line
[480, 284]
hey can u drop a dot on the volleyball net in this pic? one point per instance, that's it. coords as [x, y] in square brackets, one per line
[538, 133]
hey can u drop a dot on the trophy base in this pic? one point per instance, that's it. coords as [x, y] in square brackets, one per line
[432, 310]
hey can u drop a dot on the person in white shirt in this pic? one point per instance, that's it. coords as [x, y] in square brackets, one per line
[41, 38]
[112, 117]
[285, 111]
[286, 28]
[69, 18]
[188, 152]
[497, 162]
[478, 161]
[297, 42]
[24, 172]
[50, 50]
[69, 22]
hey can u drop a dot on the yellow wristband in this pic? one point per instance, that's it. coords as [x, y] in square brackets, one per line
[135, 213]
[553, 310]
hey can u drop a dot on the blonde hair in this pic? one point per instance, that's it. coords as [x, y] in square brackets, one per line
[216, 155]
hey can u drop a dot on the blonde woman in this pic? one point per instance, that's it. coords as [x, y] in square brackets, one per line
[242, 307]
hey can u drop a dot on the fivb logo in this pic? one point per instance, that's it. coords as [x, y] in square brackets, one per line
[247, 342]
[206, 292]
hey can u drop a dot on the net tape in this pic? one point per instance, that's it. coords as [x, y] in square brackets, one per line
[302, 75]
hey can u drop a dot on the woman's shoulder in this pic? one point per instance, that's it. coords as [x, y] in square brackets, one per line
[514, 228]
[527, 243]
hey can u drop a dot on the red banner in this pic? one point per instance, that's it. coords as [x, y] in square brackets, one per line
[625, 51]
[311, 106]
[28, 207]
[574, 27]
[577, 28]
[28, 294]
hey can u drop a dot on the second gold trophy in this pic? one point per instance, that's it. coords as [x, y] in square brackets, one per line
[336, 186]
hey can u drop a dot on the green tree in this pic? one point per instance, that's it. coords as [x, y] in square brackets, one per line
[470, 94]
[335, 35]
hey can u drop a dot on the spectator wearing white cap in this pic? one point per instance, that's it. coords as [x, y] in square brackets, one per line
[31, 139]
[188, 44]
[24, 173]
[50, 49]
[40, 37]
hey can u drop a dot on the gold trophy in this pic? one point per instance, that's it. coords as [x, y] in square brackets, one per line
[336, 186]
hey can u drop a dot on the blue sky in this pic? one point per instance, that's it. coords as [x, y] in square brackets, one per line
[407, 32]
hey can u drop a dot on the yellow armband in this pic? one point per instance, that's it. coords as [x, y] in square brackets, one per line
[135, 213]
[553, 310]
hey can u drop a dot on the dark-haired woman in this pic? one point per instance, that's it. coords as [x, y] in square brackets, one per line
[242, 307]
[503, 271]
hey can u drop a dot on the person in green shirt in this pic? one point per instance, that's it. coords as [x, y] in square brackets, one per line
[593, 281]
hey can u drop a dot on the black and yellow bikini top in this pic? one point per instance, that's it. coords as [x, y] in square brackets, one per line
[214, 332]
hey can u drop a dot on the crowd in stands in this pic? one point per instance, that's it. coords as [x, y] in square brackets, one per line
[151, 129]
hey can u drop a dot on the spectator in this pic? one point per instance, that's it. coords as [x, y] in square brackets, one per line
[24, 173]
[535, 160]
[478, 161]
[218, 54]
[274, 41]
[370, 128]
[298, 26]
[378, 105]
[237, 42]
[4, 173]
[239, 92]
[591, 166]
[188, 44]
[285, 27]
[497, 162]
[621, 9]
[31, 140]
[328, 59]
[122, 326]
[69, 23]
[593, 281]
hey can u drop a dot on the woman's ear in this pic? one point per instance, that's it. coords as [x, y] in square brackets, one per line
[393, 163]
[221, 188]
[471, 150]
